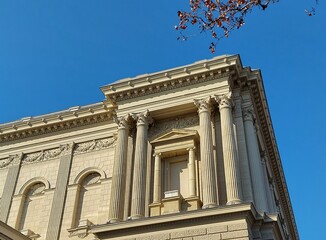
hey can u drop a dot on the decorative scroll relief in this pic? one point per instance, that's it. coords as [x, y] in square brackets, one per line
[47, 154]
[176, 123]
[12, 160]
[94, 145]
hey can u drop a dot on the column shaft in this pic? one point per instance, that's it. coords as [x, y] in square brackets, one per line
[255, 163]
[232, 176]
[157, 178]
[206, 154]
[242, 153]
[139, 178]
[119, 173]
[192, 172]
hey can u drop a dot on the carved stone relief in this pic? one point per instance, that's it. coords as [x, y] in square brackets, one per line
[176, 123]
[11, 160]
[94, 145]
[47, 154]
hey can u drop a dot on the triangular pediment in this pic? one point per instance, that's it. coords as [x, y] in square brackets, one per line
[175, 134]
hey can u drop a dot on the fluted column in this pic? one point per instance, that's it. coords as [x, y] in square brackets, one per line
[157, 178]
[255, 162]
[119, 171]
[206, 153]
[246, 185]
[267, 184]
[192, 172]
[231, 162]
[139, 178]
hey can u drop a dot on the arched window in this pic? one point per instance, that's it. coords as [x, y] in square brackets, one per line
[32, 208]
[88, 199]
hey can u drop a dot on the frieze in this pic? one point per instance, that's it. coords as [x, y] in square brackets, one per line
[11, 160]
[47, 154]
[176, 123]
[94, 145]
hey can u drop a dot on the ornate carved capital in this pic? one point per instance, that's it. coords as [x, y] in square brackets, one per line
[143, 118]
[224, 101]
[123, 122]
[248, 114]
[203, 105]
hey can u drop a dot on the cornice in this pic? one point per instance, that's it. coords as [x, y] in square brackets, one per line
[253, 80]
[203, 71]
[244, 209]
[53, 122]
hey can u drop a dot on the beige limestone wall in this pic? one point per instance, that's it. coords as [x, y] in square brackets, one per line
[235, 230]
[101, 159]
[47, 170]
[95, 201]
[3, 176]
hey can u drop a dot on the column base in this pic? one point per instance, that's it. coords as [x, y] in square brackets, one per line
[171, 205]
[234, 202]
[209, 205]
[114, 220]
[193, 203]
[135, 217]
[155, 209]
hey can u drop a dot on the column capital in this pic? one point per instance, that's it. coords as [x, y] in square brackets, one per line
[224, 101]
[143, 118]
[248, 115]
[159, 154]
[203, 105]
[191, 148]
[123, 122]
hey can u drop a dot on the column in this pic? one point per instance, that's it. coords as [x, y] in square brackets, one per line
[242, 151]
[255, 162]
[192, 172]
[119, 171]
[59, 197]
[10, 185]
[206, 153]
[139, 179]
[231, 162]
[157, 178]
[267, 184]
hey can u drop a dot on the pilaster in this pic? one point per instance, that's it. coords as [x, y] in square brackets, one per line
[57, 208]
[255, 161]
[10, 185]
[246, 185]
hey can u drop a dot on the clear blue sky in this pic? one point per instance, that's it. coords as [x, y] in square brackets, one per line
[56, 54]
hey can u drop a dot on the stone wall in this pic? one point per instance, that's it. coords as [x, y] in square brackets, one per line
[234, 230]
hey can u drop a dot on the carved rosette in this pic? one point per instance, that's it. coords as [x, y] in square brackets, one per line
[224, 101]
[11, 160]
[203, 105]
[94, 145]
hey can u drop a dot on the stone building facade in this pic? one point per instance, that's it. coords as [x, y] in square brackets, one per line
[187, 153]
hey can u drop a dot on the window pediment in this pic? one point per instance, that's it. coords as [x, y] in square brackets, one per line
[175, 142]
[175, 134]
